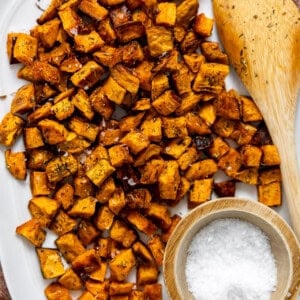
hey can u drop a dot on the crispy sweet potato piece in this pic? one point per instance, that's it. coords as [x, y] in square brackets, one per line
[16, 164]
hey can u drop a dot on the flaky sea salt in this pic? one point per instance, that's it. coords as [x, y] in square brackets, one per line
[230, 259]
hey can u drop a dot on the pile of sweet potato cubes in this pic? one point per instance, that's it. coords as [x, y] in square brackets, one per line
[124, 115]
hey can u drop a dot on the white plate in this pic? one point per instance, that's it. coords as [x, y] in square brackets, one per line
[19, 262]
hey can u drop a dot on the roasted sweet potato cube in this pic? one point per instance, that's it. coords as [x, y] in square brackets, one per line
[159, 84]
[61, 167]
[141, 250]
[50, 12]
[99, 274]
[58, 55]
[100, 171]
[37, 159]
[53, 132]
[227, 105]
[250, 112]
[96, 288]
[117, 201]
[190, 42]
[184, 187]
[106, 189]
[82, 102]
[270, 155]
[33, 138]
[120, 15]
[160, 213]
[47, 32]
[194, 61]
[16, 164]
[70, 65]
[248, 175]
[10, 128]
[88, 42]
[24, 99]
[121, 233]
[83, 187]
[151, 151]
[63, 223]
[213, 53]
[201, 192]
[159, 40]
[99, 152]
[152, 128]
[108, 56]
[146, 273]
[125, 79]
[157, 248]
[128, 123]
[32, 231]
[179, 32]
[153, 291]
[139, 198]
[21, 47]
[201, 169]
[175, 219]
[189, 101]
[218, 148]
[269, 175]
[65, 195]
[174, 127]
[83, 208]
[93, 9]
[224, 127]
[270, 193]
[230, 162]
[130, 31]
[101, 103]
[56, 291]
[86, 295]
[186, 11]
[166, 103]
[63, 109]
[151, 171]
[110, 136]
[136, 141]
[120, 288]
[122, 264]
[136, 295]
[243, 133]
[42, 112]
[251, 155]
[132, 53]
[177, 146]
[187, 158]
[196, 125]
[113, 91]
[71, 22]
[203, 25]
[119, 155]
[169, 180]
[104, 218]
[85, 129]
[183, 79]
[86, 262]
[107, 32]
[87, 232]
[74, 145]
[210, 77]
[166, 15]
[88, 75]
[39, 184]
[70, 280]
[69, 246]
[141, 223]
[43, 209]
[104, 247]
[143, 72]
[50, 262]
[225, 188]
[262, 136]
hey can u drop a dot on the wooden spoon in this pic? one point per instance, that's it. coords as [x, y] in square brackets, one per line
[262, 40]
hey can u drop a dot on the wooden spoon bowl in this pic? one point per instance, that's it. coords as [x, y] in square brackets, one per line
[283, 243]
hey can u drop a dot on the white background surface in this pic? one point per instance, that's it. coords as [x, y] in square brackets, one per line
[19, 262]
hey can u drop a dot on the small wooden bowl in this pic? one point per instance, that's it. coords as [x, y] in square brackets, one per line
[283, 242]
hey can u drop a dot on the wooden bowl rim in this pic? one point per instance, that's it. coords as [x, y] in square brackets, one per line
[231, 204]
